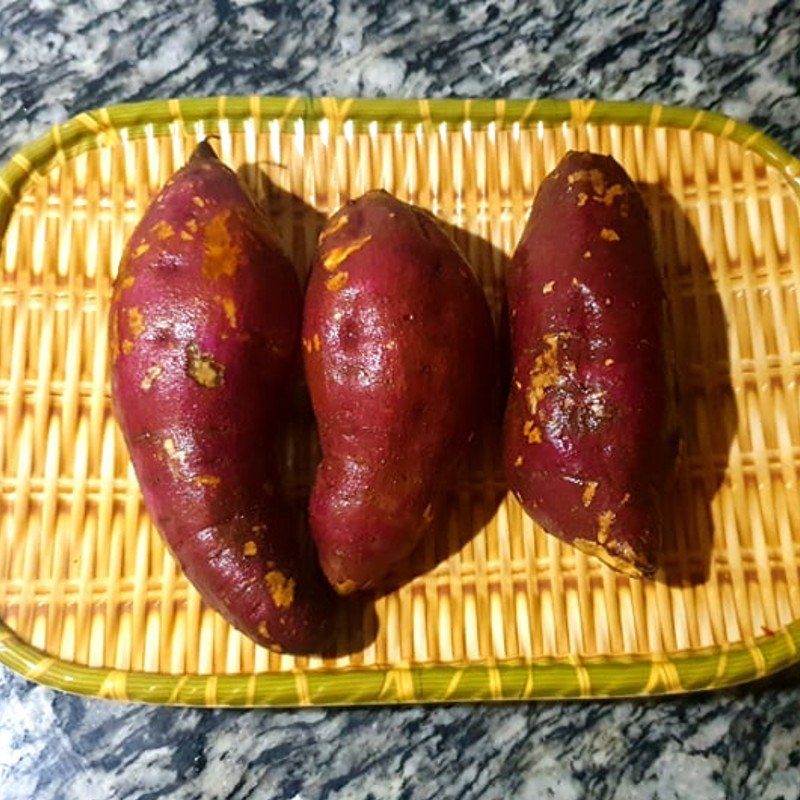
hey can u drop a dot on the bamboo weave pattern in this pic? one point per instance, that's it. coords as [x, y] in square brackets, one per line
[493, 607]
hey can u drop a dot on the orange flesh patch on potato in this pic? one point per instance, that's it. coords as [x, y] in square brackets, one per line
[588, 493]
[587, 254]
[337, 281]
[609, 234]
[613, 191]
[202, 368]
[609, 362]
[531, 432]
[518, 461]
[114, 333]
[250, 548]
[594, 176]
[198, 201]
[582, 198]
[206, 480]
[338, 255]
[317, 342]
[127, 347]
[191, 226]
[150, 377]
[281, 588]
[604, 522]
[140, 250]
[127, 282]
[186, 236]
[177, 458]
[548, 287]
[163, 230]
[333, 226]
[229, 307]
[545, 371]
[135, 322]
[220, 255]
[627, 564]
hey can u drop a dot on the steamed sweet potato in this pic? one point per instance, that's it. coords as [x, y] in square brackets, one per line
[398, 341]
[590, 435]
[204, 326]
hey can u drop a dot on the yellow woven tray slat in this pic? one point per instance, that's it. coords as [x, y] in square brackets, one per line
[492, 607]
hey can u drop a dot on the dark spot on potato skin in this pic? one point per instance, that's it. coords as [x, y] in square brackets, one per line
[348, 334]
[163, 335]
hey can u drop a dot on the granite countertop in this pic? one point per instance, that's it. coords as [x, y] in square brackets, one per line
[737, 56]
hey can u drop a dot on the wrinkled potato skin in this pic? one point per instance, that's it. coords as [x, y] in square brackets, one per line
[204, 333]
[590, 434]
[398, 341]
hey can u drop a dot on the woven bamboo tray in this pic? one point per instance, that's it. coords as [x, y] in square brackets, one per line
[491, 608]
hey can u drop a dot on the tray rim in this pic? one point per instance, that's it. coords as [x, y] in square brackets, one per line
[538, 679]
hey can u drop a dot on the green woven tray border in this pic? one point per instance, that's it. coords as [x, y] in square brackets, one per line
[556, 678]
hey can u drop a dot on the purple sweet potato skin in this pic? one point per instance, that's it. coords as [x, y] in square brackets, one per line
[204, 331]
[398, 343]
[590, 435]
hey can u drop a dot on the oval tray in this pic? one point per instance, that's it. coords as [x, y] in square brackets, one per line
[490, 608]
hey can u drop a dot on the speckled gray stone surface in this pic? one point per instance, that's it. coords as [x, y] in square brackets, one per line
[741, 57]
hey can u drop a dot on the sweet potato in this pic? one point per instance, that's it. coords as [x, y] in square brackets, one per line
[204, 327]
[590, 434]
[398, 344]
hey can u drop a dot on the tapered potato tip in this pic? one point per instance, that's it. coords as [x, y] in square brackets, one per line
[203, 151]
